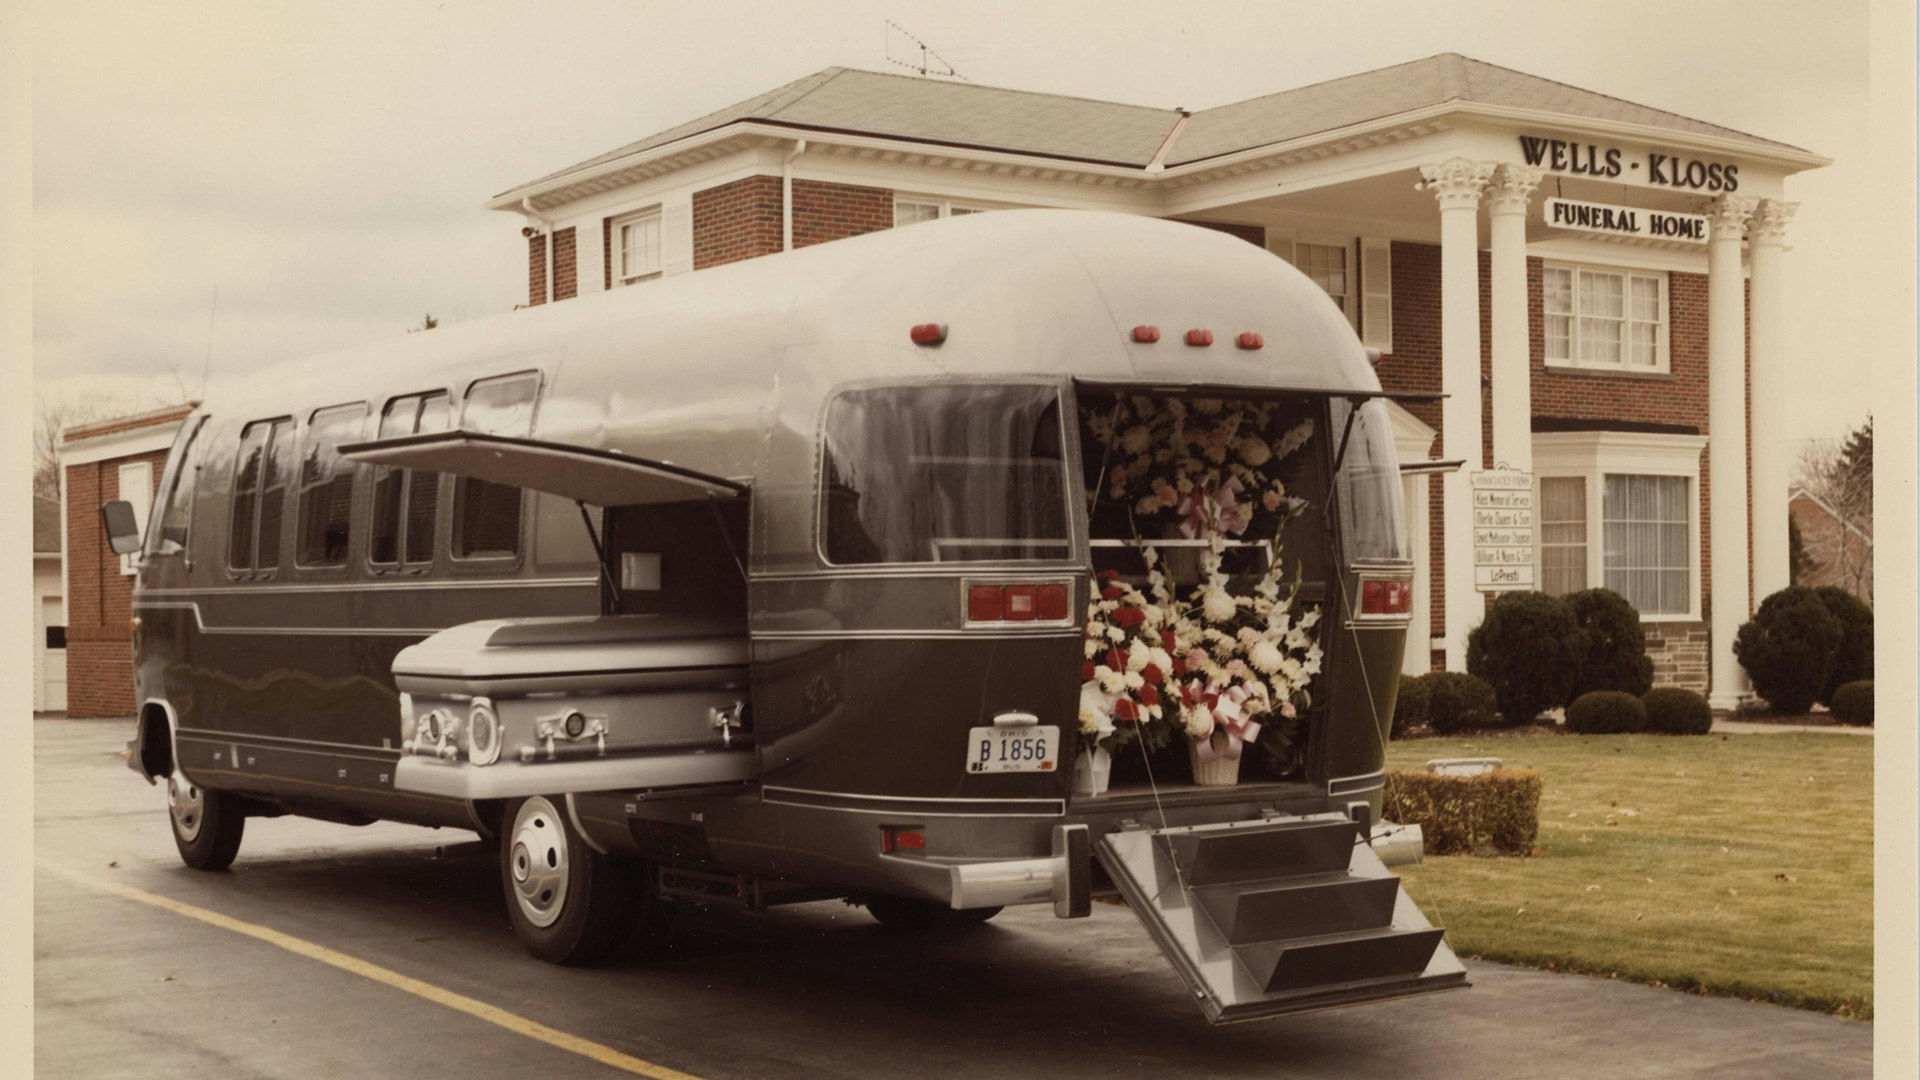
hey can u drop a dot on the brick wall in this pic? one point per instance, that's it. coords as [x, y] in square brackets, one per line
[741, 220]
[566, 265]
[823, 212]
[536, 269]
[1413, 366]
[99, 596]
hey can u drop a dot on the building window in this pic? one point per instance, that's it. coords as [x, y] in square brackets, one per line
[637, 247]
[1602, 318]
[404, 500]
[136, 487]
[1326, 266]
[1621, 510]
[326, 487]
[915, 211]
[1646, 521]
[1563, 534]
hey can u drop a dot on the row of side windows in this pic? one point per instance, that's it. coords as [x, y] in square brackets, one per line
[405, 502]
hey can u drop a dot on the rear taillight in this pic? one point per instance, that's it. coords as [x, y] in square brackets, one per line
[1011, 602]
[894, 838]
[1386, 596]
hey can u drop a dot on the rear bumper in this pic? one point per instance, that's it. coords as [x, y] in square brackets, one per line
[1064, 878]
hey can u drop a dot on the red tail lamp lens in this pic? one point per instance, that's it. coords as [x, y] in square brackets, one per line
[1053, 602]
[985, 603]
[910, 841]
[1146, 335]
[1022, 602]
[1201, 338]
[931, 333]
[1389, 596]
[1251, 340]
[1373, 598]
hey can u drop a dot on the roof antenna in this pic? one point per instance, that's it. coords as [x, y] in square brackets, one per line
[930, 63]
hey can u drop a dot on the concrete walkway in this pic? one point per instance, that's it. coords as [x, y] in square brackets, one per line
[1751, 727]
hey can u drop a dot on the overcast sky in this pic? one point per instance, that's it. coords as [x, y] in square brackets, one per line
[224, 186]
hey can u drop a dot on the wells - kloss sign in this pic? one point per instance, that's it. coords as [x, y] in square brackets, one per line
[1667, 170]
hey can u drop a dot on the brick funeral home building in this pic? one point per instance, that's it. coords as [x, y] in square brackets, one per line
[1596, 286]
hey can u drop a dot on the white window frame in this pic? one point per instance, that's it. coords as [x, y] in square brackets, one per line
[136, 487]
[1595, 455]
[1663, 332]
[942, 207]
[619, 238]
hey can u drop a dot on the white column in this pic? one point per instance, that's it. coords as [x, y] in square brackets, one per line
[1456, 183]
[1507, 199]
[1727, 440]
[1769, 386]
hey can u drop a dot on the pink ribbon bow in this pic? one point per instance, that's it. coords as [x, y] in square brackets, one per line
[1219, 505]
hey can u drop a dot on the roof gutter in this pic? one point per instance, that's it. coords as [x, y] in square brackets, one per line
[546, 226]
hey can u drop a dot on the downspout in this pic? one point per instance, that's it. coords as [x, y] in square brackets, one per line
[786, 194]
[546, 226]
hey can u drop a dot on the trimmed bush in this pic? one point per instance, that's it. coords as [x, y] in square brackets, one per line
[1606, 712]
[1676, 710]
[1853, 659]
[1853, 703]
[1528, 649]
[1457, 701]
[1494, 813]
[1615, 647]
[1788, 649]
[1410, 708]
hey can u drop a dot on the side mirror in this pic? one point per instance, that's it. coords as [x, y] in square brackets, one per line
[123, 532]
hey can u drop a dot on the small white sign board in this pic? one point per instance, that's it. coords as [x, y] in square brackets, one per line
[1463, 766]
[1502, 530]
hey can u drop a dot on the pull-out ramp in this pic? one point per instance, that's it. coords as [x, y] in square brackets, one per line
[1278, 915]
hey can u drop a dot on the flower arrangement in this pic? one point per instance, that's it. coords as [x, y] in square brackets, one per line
[1215, 665]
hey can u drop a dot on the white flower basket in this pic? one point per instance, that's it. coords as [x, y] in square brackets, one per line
[1091, 771]
[1220, 772]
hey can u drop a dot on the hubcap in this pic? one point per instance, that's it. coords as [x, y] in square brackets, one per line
[187, 804]
[537, 860]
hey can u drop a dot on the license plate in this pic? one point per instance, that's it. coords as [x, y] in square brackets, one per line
[1013, 749]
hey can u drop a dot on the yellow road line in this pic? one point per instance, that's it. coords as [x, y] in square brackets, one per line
[499, 1017]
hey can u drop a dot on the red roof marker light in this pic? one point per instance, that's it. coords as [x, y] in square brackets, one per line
[1251, 340]
[1201, 338]
[931, 333]
[1146, 335]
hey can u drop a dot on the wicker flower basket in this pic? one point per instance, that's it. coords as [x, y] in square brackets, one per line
[1220, 772]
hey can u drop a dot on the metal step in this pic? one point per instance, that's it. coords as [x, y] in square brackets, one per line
[1276, 916]
[1307, 906]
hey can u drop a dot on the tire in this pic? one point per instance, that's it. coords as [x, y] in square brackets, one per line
[207, 824]
[569, 904]
[898, 913]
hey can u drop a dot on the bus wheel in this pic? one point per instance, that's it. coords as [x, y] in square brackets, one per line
[206, 824]
[569, 903]
[902, 914]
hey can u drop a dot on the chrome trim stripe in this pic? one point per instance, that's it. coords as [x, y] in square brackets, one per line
[1348, 785]
[281, 742]
[376, 586]
[1041, 632]
[1019, 572]
[900, 804]
[200, 623]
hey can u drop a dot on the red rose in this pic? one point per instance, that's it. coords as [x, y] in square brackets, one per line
[1148, 695]
[1168, 642]
[1123, 710]
[1116, 660]
[1152, 674]
[1111, 592]
[1179, 666]
[1086, 671]
[1129, 617]
[1108, 575]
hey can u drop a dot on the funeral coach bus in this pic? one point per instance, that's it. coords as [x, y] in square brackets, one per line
[772, 583]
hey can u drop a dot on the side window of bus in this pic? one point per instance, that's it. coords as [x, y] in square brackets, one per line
[326, 486]
[176, 503]
[405, 500]
[259, 495]
[487, 516]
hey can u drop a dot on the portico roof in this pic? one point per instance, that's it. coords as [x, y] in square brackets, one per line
[1134, 137]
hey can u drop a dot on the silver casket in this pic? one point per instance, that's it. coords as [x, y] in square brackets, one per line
[542, 706]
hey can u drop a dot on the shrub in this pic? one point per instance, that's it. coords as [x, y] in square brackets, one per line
[1457, 701]
[1853, 702]
[1853, 659]
[1606, 712]
[1529, 650]
[1494, 812]
[1410, 708]
[1676, 710]
[1788, 648]
[1614, 656]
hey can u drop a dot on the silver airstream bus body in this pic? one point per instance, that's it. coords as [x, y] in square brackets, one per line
[768, 584]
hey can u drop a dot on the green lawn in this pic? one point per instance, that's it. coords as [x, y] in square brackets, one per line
[1738, 865]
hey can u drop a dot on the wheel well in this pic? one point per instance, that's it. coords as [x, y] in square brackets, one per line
[156, 740]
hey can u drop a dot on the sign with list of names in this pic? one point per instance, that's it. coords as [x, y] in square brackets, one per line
[1502, 530]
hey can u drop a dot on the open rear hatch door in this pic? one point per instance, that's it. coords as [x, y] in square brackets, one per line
[597, 477]
[1277, 916]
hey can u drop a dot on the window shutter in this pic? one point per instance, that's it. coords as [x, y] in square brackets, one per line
[1376, 299]
[676, 239]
